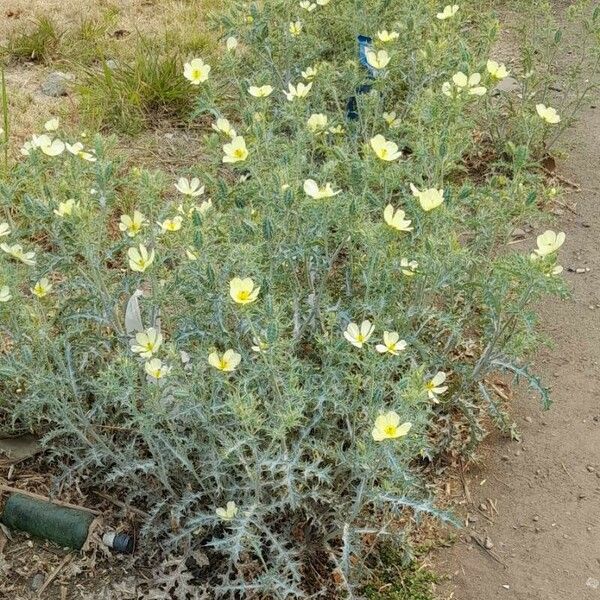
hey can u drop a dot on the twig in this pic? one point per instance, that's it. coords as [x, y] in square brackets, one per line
[491, 554]
[54, 574]
[133, 509]
[567, 472]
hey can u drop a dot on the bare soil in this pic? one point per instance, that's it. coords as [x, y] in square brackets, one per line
[531, 507]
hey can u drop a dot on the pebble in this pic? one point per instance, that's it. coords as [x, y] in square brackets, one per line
[55, 84]
[37, 581]
[529, 419]
[591, 468]
[488, 543]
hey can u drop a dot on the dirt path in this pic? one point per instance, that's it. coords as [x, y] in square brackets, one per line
[546, 488]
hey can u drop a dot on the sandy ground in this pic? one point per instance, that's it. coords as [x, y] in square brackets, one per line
[535, 502]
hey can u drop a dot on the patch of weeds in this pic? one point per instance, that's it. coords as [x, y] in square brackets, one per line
[38, 44]
[396, 580]
[132, 96]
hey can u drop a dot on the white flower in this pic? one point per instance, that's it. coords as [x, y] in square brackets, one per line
[156, 369]
[132, 225]
[147, 342]
[299, 91]
[548, 114]
[196, 71]
[429, 199]
[229, 513]
[52, 124]
[5, 293]
[378, 60]
[396, 219]
[387, 36]
[549, 242]
[448, 12]
[312, 189]
[392, 344]
[231, 43]
[47, 145]
[77, 150]
[4, 229]
[189, 187]
[16, 251]
[316, 123]
[434, 386]
[359, 336]
[223, 126]
[66, 209]
[260, 92]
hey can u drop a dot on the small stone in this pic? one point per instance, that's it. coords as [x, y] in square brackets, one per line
[488, 543]
[593, 583]
[536, 518]
[55, 84]
[506, 586]
[529, 419]
[37, 581]
[112, 64]
[483, 506]
[505, 457]
[591, 468]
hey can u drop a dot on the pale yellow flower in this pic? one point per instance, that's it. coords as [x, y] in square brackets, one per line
[147, 342]
[359, 336]
[317, 123]
[16, 251]
[307, 5]
[448, 12]
[434, 386]
[259, 345]
[196, 71]
[4, 229]
[235, 151]
[260, 92]
[312, 189]
[52, 124]
[429, 199]
[464, 83]
[228, 362]
[229, 513]
[47, 145]
[132, 225]
[337, 130]
[243, 291]
[156, 369]
[204, 207]
[295, 28]
[310, 73]
[189, 187]
[378, 60]
[392, 344]
[191, 254]
[548, 114]
[396, 219]
[299, 91]
[496, 70]
[223, 126]
[5, 295]
[549, 242]
[391, 119]
[387, 427]
[231, 43]
[387, 36]
[66, 209]
[173, 224]
[41, 288]
[139, 258]
[322, 2]
[77, 150]
[408, 267]
[385, 149]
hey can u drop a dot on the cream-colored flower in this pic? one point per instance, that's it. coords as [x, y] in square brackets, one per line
[147, 342]
[312, 189]
[359, 336]
[196, 71]
[448, 12]
[47, 145]
[387, 427]
[310, 73]
[41, 288]
[228, 362]
[396, 219]
[139, 258]
[307, 5]
[337, 130]
[496, 70]
[548, 114]
[192, 255]
[317, 123]
[298, 91]
[549, 242]
[392, 344]
[229, 513]
[434, 386]
[16, 251]
[76, 149]
[243, 291]
[4, 229]
[223, 126]
[408, 267]
[5, 294]
[204, 207]
[391, 119]
[231, 43]
[384, 149]
[66, 208]
[259, 345]
[173, 224]
[429, 199]
[52, 124]
[236, 150]
[295, 28]
[189, 187]
[132, 225]
[387, 36]
[260, 92]
[463, 83]
[378, 60]
[156, 369]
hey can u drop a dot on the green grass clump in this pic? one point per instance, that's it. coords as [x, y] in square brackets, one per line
[38, 43]
[138, 92]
